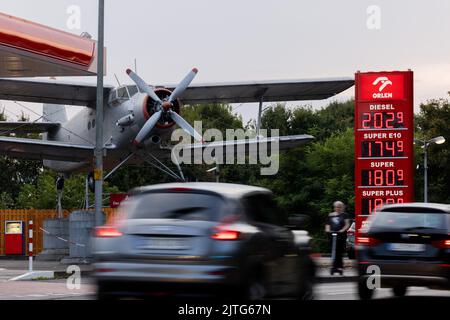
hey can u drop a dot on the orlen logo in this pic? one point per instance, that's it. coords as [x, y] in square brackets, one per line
[381, 86]
[382, 82]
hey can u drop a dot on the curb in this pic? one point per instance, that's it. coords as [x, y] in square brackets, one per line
[34, 275]
[64, 274]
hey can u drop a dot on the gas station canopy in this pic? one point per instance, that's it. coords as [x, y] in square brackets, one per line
[29, 49]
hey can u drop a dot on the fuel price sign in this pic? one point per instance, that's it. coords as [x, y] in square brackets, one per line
[384, 138]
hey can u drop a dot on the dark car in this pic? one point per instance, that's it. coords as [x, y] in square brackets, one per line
[202, 238]
[410, 244]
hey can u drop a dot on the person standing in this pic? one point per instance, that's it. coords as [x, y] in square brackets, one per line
[338, 223]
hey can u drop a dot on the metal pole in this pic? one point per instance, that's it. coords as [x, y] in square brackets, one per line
[98, 172]
[425, 172]
[86, 193]
[217, 172]
[60, 213]
[258, 125]
[30, 246]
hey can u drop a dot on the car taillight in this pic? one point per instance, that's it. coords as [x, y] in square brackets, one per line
[107, 232]
[367, 241]
[441, 244]
[225, 234]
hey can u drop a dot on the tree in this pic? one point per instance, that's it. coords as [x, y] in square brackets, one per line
[14, 173]
[433, 120]
[43, 194]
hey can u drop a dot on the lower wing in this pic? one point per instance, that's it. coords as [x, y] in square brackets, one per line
[44, 150]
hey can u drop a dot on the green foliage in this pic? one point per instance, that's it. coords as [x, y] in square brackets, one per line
[14, 172]
[6, 201]
[434, 120]
[43, 195]
[213, 116]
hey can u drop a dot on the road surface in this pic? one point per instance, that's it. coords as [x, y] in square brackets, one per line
[348, 291]
[59, 290]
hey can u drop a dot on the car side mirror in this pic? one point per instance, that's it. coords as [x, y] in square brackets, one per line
[298, 222]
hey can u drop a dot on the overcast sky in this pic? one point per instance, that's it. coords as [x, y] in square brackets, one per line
[236, 40]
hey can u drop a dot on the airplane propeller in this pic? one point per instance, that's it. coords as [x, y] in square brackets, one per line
[164, 106]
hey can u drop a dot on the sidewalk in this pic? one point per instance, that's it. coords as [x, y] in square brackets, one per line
[323, 275]
[21, 265]
[325, 262]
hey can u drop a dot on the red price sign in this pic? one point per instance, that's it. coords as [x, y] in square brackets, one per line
[384, 138]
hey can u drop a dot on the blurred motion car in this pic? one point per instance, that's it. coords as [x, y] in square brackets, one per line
[350, 241]
[213, 239]
[410, 243]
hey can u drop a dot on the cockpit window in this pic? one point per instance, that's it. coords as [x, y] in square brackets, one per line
[132, 90]
[122, 94]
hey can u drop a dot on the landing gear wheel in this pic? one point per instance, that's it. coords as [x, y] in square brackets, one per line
[363, 291]
[400, 291]
[91, 182]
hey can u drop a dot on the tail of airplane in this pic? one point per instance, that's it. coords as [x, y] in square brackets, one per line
[55, 113]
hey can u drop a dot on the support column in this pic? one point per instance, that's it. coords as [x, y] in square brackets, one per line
[98, 171]
[258, 125]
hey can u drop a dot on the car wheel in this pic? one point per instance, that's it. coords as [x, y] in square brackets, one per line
[400, 291]
[103, 294]
[255, 290]
[363, 290]
[254, 287]
[306, 281]
[306, 289]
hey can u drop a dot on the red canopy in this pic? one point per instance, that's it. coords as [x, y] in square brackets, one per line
[28, 49]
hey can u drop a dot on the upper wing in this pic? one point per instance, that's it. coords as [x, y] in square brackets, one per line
[53, 92]
[26, 127]
[50, 91]
[268, 91]
[48, 150]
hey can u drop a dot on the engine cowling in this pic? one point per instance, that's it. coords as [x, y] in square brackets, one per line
[144, 107]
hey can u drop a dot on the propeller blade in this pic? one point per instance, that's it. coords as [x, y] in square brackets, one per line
[179, 90]
[143, 86]
[185, 126]
[148, 126]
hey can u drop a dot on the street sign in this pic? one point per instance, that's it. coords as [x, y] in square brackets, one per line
[116, 199]
[384, 141]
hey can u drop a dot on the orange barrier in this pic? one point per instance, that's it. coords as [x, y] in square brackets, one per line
[38, 217]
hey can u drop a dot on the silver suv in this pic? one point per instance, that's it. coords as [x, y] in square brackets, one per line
[220, 239]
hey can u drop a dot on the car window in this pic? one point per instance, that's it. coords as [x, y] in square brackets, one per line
[262, 208]
[408, 220]
[181, 206]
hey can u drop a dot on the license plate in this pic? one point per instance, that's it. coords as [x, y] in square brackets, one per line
[408, 247]
[162, 244]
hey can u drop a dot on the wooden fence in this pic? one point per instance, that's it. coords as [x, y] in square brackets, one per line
[38, 217]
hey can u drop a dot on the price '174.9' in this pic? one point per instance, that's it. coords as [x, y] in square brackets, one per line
[386, 148]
